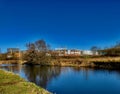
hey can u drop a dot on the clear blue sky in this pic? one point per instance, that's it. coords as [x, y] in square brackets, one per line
[62, 23]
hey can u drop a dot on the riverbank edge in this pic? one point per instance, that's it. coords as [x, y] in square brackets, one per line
[9, 79]
[96, 62]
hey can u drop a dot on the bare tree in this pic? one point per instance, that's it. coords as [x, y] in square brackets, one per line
[112, 51]
[36, 52]
[31, 54]
[117, 45]
[95, 49]
[41, 46]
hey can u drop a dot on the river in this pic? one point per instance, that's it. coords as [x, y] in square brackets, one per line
[69, 80]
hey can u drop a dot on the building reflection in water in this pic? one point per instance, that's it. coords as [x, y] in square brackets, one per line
[87, 71]
[11, 67]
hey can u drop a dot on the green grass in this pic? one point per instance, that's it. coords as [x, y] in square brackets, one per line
[13, 84]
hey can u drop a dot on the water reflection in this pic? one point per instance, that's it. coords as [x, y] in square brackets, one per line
[85, 71]
[11, 67]
[41, 75]
[70, 80]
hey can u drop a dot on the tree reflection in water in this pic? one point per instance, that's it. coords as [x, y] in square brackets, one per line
[70, 80]
[41, 75]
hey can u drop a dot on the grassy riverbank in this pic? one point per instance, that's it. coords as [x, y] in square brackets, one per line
[98, 62]
[13, 84]
[86, 61]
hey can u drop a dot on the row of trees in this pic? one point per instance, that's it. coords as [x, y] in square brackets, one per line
[109, 51]
[113, 51]
[39, 52]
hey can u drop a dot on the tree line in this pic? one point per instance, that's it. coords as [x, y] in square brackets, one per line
[109, 51]
[39, 52]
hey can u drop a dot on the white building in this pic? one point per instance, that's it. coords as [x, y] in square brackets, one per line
[66, 52]
[87, 52]
[61, 51]
[75, 52]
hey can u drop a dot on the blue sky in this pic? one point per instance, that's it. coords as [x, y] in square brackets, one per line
[62, 23]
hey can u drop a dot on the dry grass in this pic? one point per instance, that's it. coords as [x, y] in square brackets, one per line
[13, 84]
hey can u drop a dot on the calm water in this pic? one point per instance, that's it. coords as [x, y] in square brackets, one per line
[70, 80]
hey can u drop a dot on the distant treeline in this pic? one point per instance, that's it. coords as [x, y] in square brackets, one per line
[112, 51]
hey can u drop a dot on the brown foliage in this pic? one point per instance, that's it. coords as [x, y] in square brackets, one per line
[36, 52]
